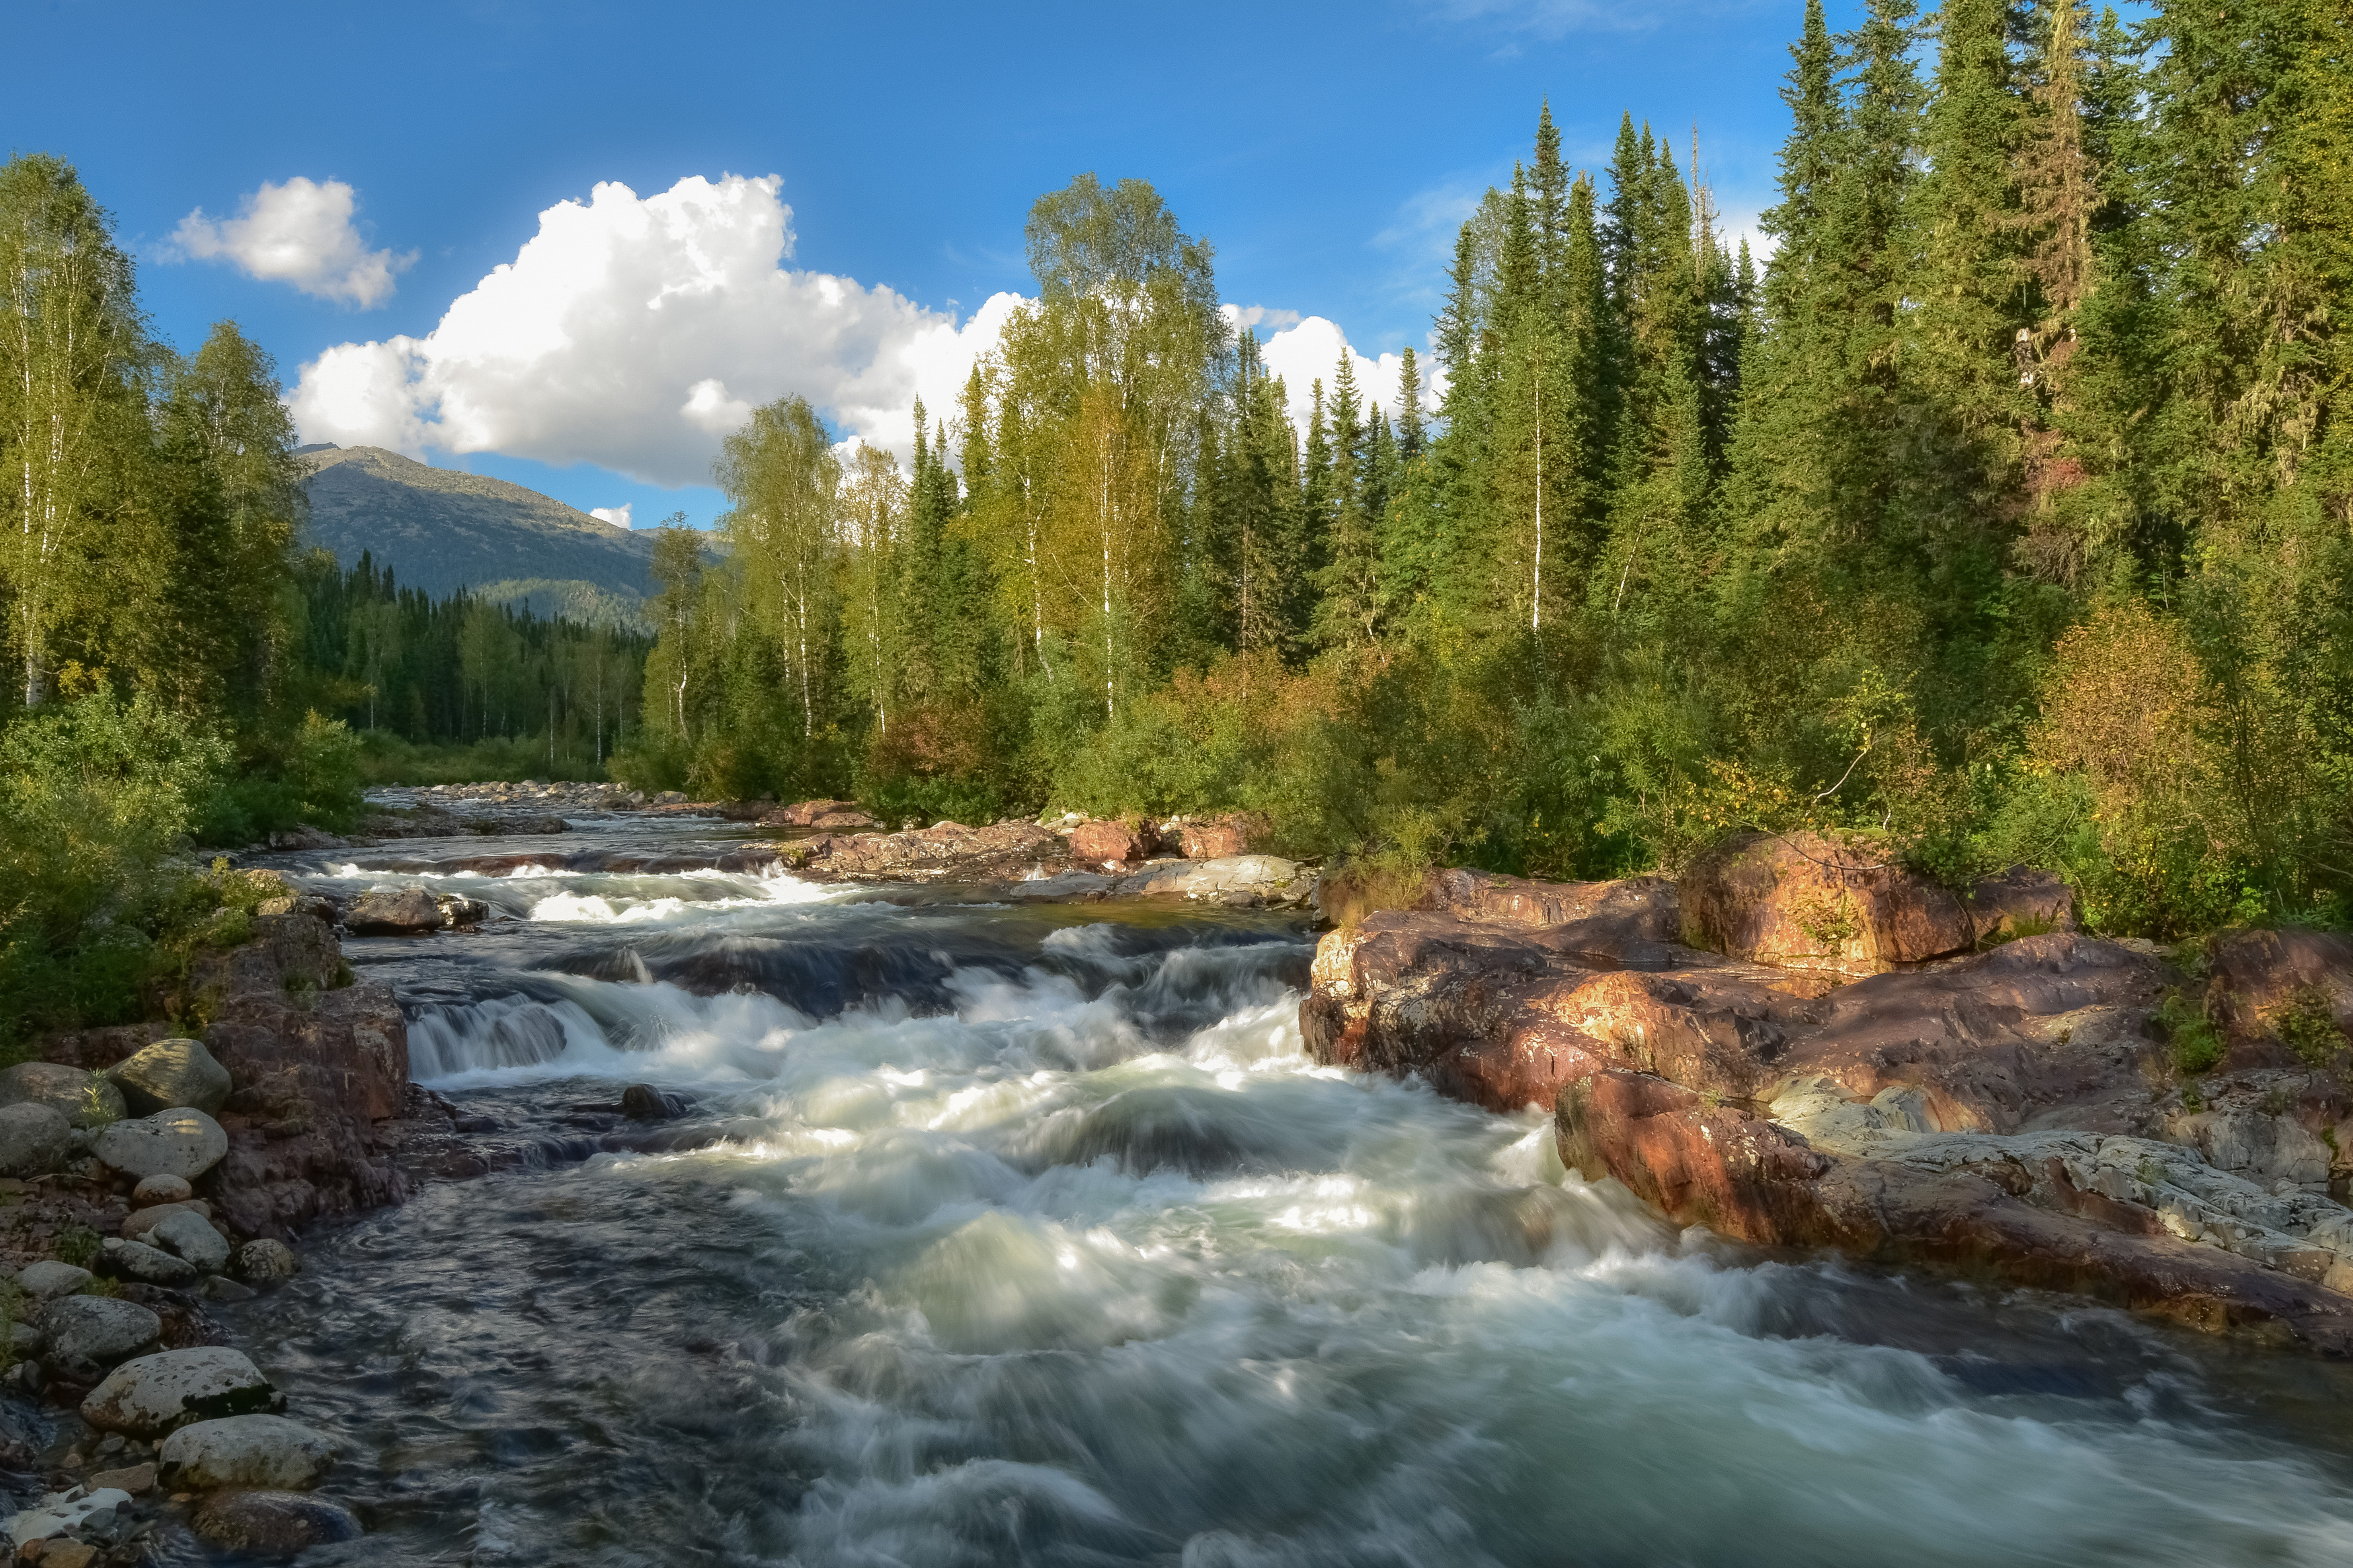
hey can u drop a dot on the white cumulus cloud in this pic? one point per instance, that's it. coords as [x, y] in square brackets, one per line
[632, 333]
[300, 232]
[1310, 352]
[618, 516]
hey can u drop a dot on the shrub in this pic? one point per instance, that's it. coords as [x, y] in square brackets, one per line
[2197, 1043]
[2307, 1026]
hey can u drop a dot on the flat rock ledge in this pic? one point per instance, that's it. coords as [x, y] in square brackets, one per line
[2010, 1109]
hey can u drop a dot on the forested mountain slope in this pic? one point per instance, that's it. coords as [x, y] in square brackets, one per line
[441, 530]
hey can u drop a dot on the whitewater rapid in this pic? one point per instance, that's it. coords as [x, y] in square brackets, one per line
[1032, 1236]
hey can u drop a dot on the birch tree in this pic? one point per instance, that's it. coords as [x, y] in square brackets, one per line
[782, 484]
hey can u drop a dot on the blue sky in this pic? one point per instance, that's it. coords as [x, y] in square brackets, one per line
[1328, 152]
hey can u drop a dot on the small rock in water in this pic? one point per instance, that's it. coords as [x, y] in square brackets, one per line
[149, 1265]
[191, 1235]
[266, 1262]
[68, 1554]
[183, 1143]
[162, 1190]
[172, 1073]
[644, 1102]
[90, 1511]
[221, 1287]
[48, 1278]
[156, 1393]
[87, 1333]
[34, 1140]
[136, 1480]
[83, 1099]
[393, 912]
[247, 1451]
[273, 1521]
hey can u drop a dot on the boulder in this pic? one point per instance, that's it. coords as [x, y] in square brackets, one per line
[267, 1451]
[162, 1190]
[34, 1140]
[193, 1238]
[183, 1143]
[831, 815]
[1802, 901]
[393, 912]
[1247, 881]
[2262, 983]
[273, 1522]
[2020, 902]
[142, 1221]
[1105, 844]
[85, 1333]
[1218, 838]
[83, 1099]
[148, 1265]
[170, 1074]
[266, 1262]
[158, 1394]
[49, 1278]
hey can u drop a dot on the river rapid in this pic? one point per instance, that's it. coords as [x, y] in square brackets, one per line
[1002, 1234]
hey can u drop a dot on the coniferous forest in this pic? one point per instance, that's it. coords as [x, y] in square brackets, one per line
[2004, 509]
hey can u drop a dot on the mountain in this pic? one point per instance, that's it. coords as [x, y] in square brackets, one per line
[442, 529]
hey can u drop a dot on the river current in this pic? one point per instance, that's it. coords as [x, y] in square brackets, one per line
[1015, 1234]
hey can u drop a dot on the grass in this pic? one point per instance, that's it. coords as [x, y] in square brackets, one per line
[2197, 1043]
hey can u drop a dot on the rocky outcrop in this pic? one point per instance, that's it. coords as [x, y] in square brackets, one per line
[1106, 845]
[828, 816]
[2015, 1110]
[1806, 901]
[1216, 838]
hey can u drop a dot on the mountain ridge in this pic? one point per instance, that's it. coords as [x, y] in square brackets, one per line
[441, 530]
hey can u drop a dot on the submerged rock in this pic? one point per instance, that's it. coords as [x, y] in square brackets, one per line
[277, 1523]
[157, 1394]
[169, 1074]
[267, 1451]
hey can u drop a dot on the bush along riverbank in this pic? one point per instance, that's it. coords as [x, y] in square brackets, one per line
[1796, 1045]
[145, 1175]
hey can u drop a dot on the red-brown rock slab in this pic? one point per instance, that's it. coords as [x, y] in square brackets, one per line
[1102, 844]
[1215, 838]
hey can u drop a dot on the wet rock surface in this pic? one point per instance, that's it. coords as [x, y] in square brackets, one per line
[2015, 1110]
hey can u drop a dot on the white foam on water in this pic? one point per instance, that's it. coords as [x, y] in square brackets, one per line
[1201, 1301]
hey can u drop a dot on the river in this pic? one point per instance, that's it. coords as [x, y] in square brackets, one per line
[1029, 1235]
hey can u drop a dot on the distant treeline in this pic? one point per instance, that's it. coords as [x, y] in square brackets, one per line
[463, 669]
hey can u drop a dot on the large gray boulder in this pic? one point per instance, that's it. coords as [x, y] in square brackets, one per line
[84, 1333]
[247, 1451]
[172, 1073]
[34, 1140]
[148, 1265]
[83, 1099]
[184, 1142]
[393, 912]
[277, 1524]
[191, 1235]
[158, 1394]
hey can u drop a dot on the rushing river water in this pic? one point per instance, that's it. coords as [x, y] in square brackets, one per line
[1029, 1235]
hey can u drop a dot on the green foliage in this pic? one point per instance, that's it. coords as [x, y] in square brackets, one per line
[76, 1245]
[2307, 1026]
[2197, 1045]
